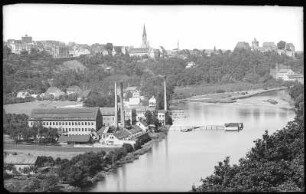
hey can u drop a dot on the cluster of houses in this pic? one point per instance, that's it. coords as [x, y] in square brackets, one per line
[288, 50]
[284, 73]
[61, 50]
[89, 125]
[55, 93]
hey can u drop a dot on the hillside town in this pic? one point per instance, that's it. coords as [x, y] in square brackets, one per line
[75, 114]
[59, 49]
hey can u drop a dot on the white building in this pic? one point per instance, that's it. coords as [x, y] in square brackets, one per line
[68, 121]
[23, 94]
[152, 102]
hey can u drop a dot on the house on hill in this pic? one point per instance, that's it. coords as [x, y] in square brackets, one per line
[152, 102]
[54, 92]
[23, 94]
[74, 90]
[286, 74]
[290, 50]
[269, 46]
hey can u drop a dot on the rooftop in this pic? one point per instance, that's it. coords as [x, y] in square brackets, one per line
[122, 133]
[135, 129]
[107, 111]
[65, 114]
[20, 159]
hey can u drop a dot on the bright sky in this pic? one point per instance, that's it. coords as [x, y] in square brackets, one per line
[201, 27]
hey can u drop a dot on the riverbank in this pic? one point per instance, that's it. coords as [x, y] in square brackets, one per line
[130, 157]
[229, 97]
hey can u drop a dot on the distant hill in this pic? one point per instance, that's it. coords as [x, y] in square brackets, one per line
[72, 65]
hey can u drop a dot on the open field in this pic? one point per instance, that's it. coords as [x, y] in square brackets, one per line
[55, 151]
[27, 107]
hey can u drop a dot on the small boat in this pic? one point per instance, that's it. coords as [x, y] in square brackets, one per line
[233, 126]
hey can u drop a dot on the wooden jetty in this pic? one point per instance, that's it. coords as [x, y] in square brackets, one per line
[196, 128]
[226, 127]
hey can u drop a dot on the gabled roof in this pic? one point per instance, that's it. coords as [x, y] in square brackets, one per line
[54, 90]
[268, 44]
[143, 122]
[103, 130]
[290, 45]
[107, 111]
[131, 88]
[123, 133]
[65, 114]
[161, 111]
[20, 159]
[135, 129]
[74, 89]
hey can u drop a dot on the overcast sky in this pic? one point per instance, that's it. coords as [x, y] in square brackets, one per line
[201, 27]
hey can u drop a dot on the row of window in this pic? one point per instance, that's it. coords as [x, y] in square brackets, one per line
[75, 129]
[67, 123]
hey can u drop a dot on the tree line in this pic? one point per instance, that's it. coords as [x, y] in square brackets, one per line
[35, 70]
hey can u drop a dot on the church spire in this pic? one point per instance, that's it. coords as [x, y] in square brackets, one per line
[145, 43]
[144, 34]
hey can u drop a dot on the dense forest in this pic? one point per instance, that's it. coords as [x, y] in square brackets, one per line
[37, 71]
[274, 164]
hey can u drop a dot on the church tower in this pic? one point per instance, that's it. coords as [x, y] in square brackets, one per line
[145, 43]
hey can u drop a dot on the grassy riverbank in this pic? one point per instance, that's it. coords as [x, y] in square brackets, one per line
[230, 97]
[204, 89]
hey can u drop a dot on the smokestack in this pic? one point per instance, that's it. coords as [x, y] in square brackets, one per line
[121, 100]
[116, 107]
[165, 95]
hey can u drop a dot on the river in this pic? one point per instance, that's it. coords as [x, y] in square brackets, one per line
[180, 160]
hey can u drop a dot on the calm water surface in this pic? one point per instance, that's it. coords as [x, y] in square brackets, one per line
[180, 160]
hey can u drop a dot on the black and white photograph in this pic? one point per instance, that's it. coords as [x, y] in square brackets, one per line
[153, 98]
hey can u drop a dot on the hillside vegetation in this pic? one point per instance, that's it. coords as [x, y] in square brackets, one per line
[36, 72]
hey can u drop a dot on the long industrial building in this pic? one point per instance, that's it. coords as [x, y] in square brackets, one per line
[70, 121]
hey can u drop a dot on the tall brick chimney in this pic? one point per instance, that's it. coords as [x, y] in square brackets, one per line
[116, 107]
[122, 111]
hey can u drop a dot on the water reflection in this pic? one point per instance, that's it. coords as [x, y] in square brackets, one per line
[181, 159]
[244, 112]
[270, 113]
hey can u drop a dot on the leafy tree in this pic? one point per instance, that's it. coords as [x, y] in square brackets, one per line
[168, 119]
[281, 45]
